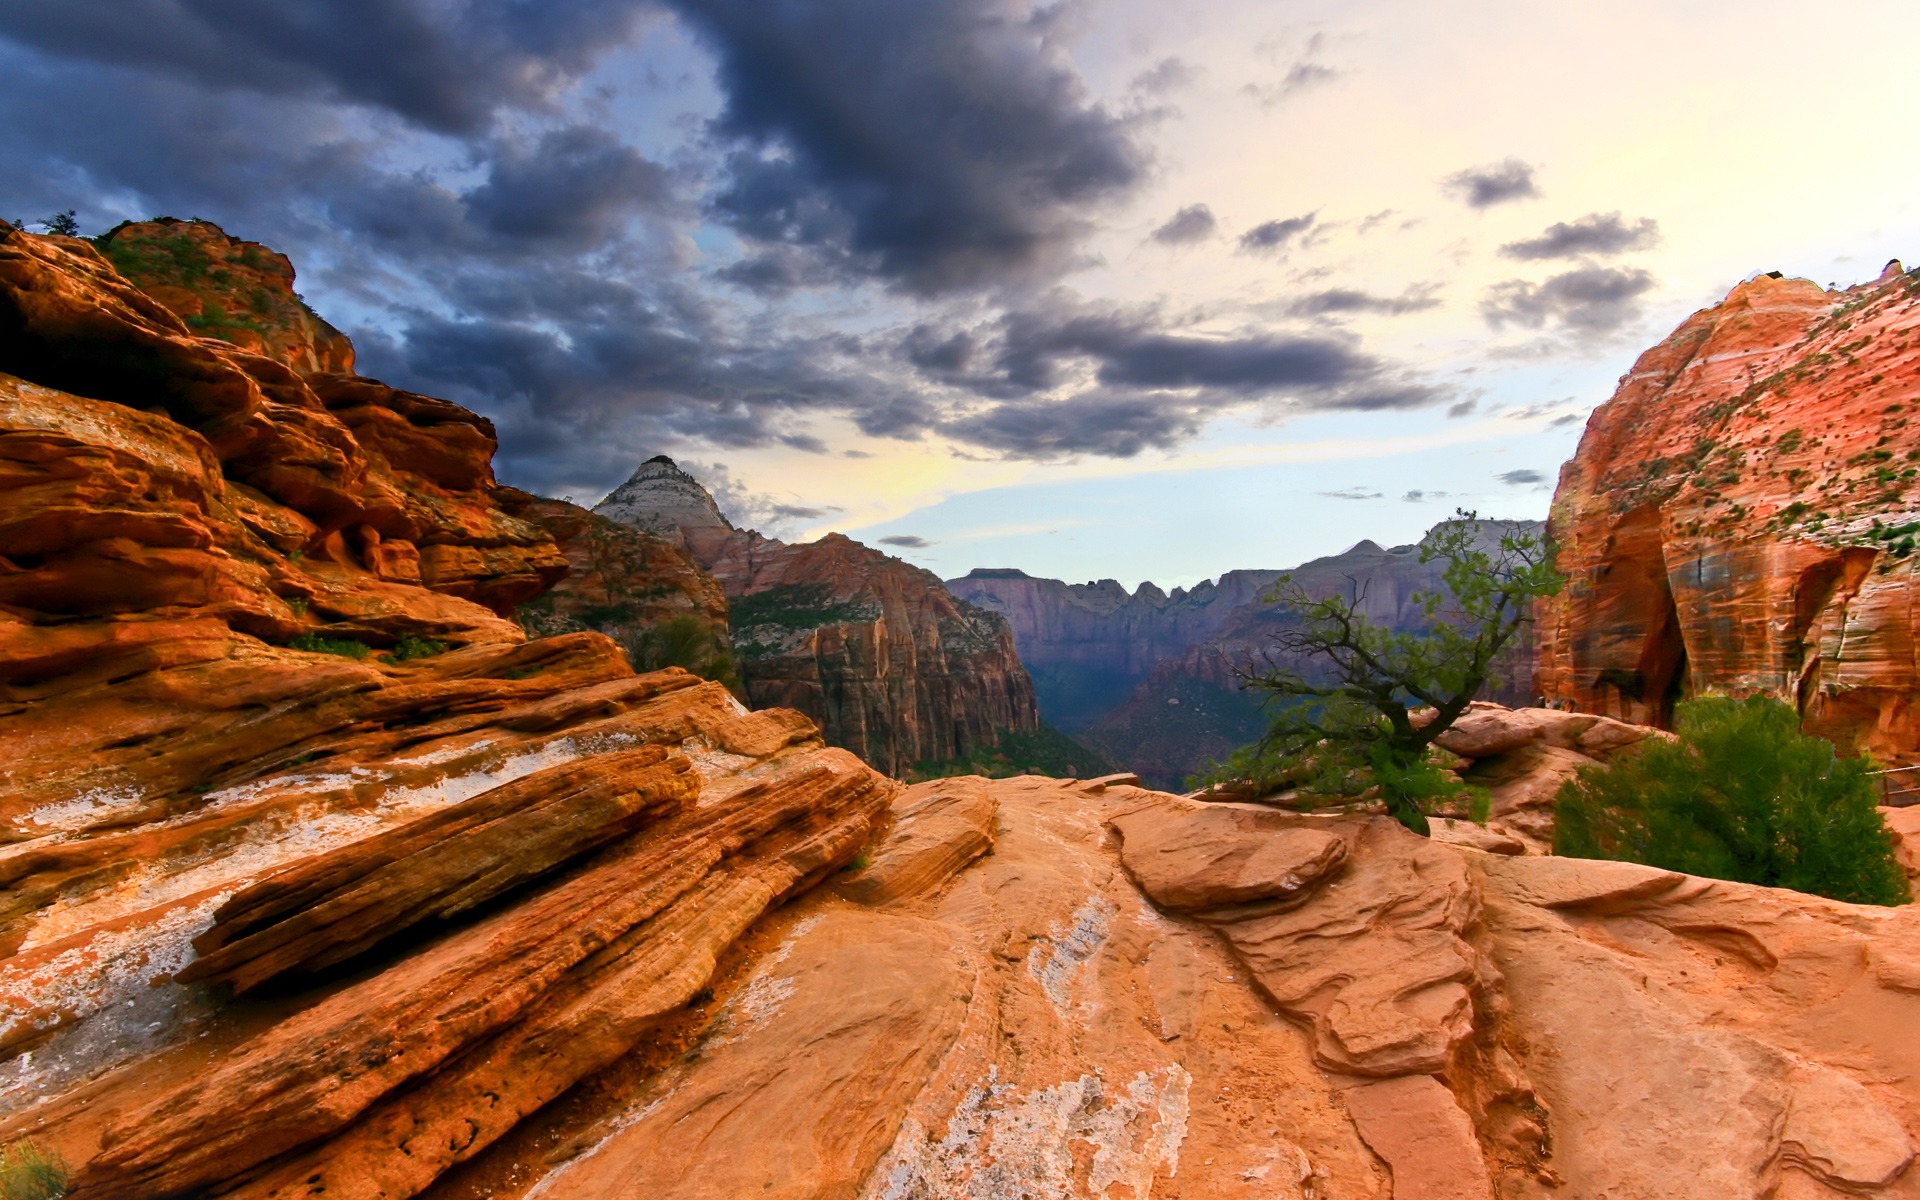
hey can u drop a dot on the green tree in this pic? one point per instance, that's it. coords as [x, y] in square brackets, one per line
[62, 223]
[1342, 689]
[682, 641]
[1742, 794]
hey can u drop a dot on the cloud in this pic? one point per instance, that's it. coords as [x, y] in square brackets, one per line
[1496, 183]
[1274, 234]
[444, 67]
[1588, 300]
[572, 185]
[1193, 223]
[1595, 233]
[1335, 301]
[1353, 493]
[1133, 351]
[935, 354]
[1421, 495]
[1305, 73]
[1169, 74]
[1113, 428]
[1522, 478]
[487, 229]
[935, 146]
[906, 541]
[1462, 408]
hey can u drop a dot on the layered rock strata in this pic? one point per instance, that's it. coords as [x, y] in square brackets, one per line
[1741, 517]
[889, 663]
[1137, 994]
[280, 914]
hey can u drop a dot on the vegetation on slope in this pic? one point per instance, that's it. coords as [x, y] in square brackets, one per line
[1743, 794]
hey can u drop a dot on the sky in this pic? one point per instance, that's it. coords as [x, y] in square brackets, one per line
[1094, 288]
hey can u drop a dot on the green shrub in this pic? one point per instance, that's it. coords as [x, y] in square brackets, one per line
[314, 643]
[411, 647]
[684, 641]
[1742, 795]
[29, 1173]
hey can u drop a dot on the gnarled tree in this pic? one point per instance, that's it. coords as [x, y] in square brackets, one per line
[1345, 692]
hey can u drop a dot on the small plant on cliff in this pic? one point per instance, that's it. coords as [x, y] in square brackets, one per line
[28, 1172]
[684, 641]
[314, 643]
[1743, 794]
[411, 647]
[1343, 687]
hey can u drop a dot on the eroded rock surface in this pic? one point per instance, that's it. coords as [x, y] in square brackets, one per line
[886, 660]
[1741, 517]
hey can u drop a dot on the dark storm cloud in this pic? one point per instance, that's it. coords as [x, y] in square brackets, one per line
[1335, 301]
[933, 353]
[907, 541]
[938, 145]
[1132, 351]
[1083, 424]
[1595, 233]
[445, 67]
[1274, 234]
[1588, 300]
[572, 185]
[484, 240]
[1525, 478]
[1497, 183]
[1193, 223]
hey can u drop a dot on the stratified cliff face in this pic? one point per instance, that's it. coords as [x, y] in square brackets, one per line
[463, 877]
[889, 663]
[1741, 516]
[1166, 718]
[174, 510]
[1088, 644]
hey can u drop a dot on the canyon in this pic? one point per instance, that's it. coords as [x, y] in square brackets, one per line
[1741, 516]
[324, 878]
[1149, 677]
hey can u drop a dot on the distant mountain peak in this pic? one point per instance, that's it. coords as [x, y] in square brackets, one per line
[661, 498]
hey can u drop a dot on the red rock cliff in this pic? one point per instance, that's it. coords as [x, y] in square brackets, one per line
[168, 500]
[890, 663]
[1741, 516]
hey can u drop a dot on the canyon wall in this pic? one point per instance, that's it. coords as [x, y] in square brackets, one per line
[1088, 643]
[285, 918]
[1741, 517]
[889, 663]
[1149, 678]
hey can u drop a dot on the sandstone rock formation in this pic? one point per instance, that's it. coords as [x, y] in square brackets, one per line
[620, 580]
[1741, 517]
[889, 663]
[226, 288]
[280, 917]
[509, 920]
[1149, 678]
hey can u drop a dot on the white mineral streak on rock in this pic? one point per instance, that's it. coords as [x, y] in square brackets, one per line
[1055, 963]
[1003, 1145]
